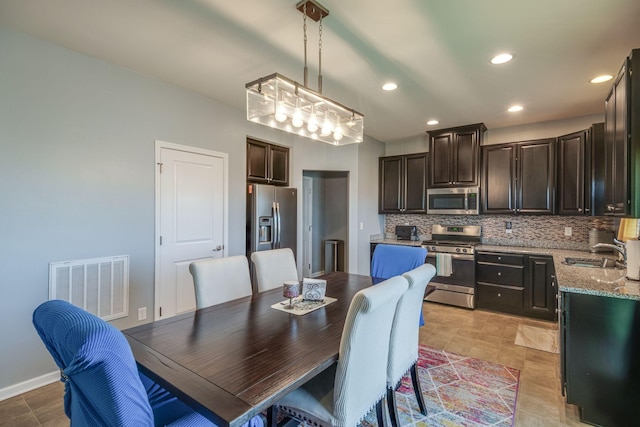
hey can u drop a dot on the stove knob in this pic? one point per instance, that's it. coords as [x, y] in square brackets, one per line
[464, 250]
[457, 249]
[433, 248]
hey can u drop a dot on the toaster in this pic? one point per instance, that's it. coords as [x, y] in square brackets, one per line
[406, 232]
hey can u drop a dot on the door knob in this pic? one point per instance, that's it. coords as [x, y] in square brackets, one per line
[218, 248]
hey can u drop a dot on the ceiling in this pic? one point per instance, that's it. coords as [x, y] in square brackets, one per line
[437, 51]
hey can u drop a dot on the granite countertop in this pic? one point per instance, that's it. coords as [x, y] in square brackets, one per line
[608, 282]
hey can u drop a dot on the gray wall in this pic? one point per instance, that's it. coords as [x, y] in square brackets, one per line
[77, 161]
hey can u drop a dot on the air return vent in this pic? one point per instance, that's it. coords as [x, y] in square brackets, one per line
[98, 285]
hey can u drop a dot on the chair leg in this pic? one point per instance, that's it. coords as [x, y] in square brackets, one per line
[417, 388]
[380, 413]
[393, 407]
[272, 416]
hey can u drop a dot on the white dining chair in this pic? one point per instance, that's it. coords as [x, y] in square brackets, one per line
[272, 268]
[403, 344]
[220, 280]
[343, 394]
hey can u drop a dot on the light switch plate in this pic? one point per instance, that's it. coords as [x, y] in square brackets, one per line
[568, 231]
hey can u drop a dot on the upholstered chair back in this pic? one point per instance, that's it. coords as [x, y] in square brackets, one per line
[392, 260]
[220, 280]
[102, 385]
[272, 268]
[360, 380]
[403, 347]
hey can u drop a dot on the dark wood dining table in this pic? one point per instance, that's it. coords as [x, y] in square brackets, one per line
[234, 360]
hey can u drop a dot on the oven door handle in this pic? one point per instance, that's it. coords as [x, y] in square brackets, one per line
[469, 257]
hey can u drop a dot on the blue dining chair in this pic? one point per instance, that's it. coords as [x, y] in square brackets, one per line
[394, 260]
[102, 384]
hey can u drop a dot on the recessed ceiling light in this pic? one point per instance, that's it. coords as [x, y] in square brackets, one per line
[389, 86]
[502, 58]
[432, 122]
[601, 79]
[515, 108]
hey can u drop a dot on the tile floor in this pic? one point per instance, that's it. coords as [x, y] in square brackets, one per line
[476, 333]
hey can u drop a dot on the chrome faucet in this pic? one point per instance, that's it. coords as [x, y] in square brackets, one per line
[619, 246]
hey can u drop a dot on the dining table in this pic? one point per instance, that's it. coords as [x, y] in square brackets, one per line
[234, 360]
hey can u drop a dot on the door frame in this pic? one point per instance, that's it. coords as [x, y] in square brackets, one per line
[159, 146]
[307, 226]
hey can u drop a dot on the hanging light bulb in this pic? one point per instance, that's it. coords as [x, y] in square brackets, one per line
[280, 115]
[338, 133]
[312, 126]
[296, 119]
[327, 125]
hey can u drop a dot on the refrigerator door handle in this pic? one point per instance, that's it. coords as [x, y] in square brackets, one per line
[274, 215]
[278, 229]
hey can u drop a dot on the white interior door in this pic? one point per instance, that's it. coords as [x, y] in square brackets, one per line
[307, 236]
[191, 189]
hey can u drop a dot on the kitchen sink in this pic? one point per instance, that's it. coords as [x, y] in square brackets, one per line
[591, 262]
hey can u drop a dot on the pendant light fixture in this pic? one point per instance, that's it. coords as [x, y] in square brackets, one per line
[285, 104]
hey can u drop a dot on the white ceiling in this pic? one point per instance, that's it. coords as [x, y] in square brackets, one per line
[437, 51]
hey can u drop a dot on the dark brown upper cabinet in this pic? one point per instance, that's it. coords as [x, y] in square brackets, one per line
[402, 184]
[455, 156]
[267, 163]
[580, 172]
[519, 177]
[622, 141]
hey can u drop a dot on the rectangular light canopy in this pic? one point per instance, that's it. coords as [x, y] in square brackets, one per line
[285, 104]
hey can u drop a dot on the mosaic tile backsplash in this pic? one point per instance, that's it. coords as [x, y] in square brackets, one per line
[537, 231]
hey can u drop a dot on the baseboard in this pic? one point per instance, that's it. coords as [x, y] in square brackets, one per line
[316, 274]
[32, 384]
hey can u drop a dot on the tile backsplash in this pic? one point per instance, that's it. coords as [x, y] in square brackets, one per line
[540, 231]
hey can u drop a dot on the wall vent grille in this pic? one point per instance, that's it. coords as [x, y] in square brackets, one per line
[98, 285]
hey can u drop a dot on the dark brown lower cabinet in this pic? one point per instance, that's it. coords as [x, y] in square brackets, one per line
[600, 358]
[541, 289]
[516, 283]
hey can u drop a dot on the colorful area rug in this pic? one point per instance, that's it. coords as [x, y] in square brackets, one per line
[459, 391]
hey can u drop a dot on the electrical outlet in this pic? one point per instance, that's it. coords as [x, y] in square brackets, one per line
[362, 226]
[508, 228]
[142, 313]
[568, 231]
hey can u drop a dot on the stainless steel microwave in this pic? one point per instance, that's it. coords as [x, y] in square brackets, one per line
[453, 201]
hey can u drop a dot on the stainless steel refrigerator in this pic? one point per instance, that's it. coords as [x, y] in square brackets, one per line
[272, 218]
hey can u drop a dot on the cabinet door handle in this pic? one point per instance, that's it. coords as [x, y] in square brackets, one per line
[499, 273]
[499, 294]
[579, 209]
[499, 258]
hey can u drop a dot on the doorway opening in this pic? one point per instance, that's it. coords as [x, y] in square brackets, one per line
[325, 229]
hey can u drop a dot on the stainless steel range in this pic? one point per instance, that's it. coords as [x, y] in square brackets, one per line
[452, 252]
